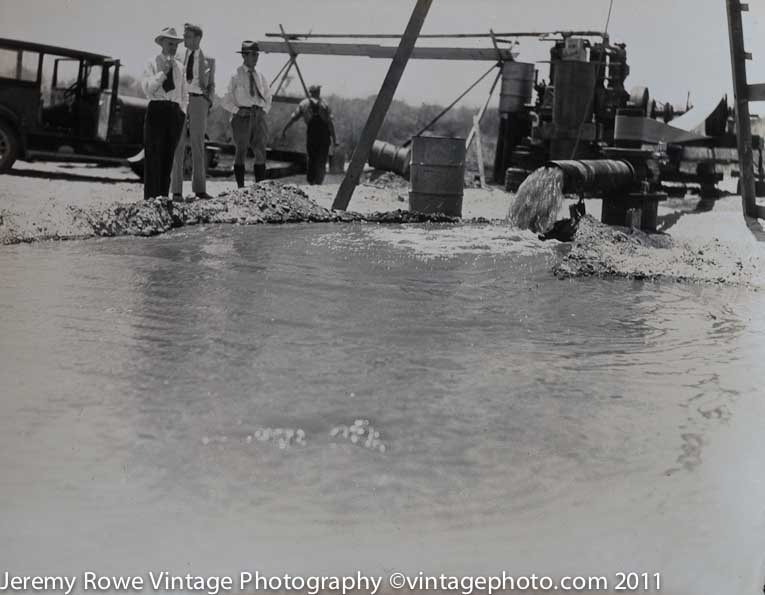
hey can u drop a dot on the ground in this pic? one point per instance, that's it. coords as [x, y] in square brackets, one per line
[710, 240]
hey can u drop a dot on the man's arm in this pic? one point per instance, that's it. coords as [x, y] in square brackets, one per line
[294, 118]
[152, 78]
[331, 124]
[267, 95]
[229, 102]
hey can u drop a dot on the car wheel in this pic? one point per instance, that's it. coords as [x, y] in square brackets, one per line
[9, 146]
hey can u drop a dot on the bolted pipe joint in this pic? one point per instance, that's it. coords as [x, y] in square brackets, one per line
[601, 176]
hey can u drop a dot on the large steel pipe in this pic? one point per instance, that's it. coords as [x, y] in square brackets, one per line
[605, 176]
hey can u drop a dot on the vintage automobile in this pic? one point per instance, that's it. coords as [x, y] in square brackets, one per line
[60, 104]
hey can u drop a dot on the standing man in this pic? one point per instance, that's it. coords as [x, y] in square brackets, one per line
[248, 98]
[320, 134]
[165, 87]
[201, 89]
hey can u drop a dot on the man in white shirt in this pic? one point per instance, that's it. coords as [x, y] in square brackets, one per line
[165, 87]
[248, 98]
[201, 88]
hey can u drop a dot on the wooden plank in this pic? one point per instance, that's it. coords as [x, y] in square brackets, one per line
[370, 50]
[483, 109]
[293, 55]
[382, 103]
[296, 36]
[286, 99]
[743, 118]
[757, 92]
[478, 150]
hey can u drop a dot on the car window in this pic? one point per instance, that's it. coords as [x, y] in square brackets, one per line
[95, 71]
[8, 63]
[68, 71]
[29, 63]
[12, 68]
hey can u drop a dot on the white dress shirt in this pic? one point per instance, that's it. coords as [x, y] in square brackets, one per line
[238, 92]
[154, 75]
[199, 82]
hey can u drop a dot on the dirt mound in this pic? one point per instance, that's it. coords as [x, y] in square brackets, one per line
[265, 202]
[601, 250]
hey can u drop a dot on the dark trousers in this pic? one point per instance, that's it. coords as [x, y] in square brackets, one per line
[317, 151]
[161, 133]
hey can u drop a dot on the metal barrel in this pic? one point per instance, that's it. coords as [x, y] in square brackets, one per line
[437, 175]
[389, 157]
[517, 86]
[596, 175]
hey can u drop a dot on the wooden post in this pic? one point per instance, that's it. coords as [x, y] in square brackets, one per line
[443, 112]
[478, 151]
[483, 109]
[287, 65]
[382, 103]
[284, 77]
[739, 56]
[293, 55]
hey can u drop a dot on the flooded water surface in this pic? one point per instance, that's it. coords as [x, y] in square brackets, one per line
[529, 423]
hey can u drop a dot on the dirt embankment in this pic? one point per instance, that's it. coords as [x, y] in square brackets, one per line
[600, 250]
[266, 202]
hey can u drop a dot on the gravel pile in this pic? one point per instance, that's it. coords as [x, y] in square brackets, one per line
[265, 202]
[600, 250]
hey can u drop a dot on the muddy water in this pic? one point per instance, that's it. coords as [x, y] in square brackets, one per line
[531, 424]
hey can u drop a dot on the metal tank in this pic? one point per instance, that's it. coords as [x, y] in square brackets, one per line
[389, 157]
[437, 175]
[573, 106]
[517, 86]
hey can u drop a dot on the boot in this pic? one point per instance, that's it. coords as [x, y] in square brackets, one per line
[239, 175]
[260, 171]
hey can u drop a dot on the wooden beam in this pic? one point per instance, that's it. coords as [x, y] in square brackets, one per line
[483, 110]
[293, 54]
[286, 99]
[438, 35]
[382, 103]
[479, 150]
[370, 50]
[738, 56]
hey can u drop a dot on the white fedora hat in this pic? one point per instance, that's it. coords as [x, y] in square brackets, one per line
[167, 33]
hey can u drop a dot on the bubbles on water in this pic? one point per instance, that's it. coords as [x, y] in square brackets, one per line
[282, 437]
[361, 432]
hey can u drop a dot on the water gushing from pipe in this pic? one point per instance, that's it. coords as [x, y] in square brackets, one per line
[538, 200]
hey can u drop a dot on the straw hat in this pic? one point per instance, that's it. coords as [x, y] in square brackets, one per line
[167, 33]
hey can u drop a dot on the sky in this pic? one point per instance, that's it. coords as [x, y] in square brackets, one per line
[675, 46]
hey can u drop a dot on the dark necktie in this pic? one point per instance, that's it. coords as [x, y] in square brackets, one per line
[169, 83]
[253, 87]
[190, 67]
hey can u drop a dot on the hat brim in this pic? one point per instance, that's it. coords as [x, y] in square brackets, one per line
[158, 39]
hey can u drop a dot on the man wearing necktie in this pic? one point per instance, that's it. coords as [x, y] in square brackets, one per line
[201, 91]
[165, 88]
[248, 98]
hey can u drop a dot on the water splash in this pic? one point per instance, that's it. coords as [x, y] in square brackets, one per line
[538, 200]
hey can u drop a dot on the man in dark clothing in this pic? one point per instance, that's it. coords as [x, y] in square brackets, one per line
[320, 134]
[165, 87]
